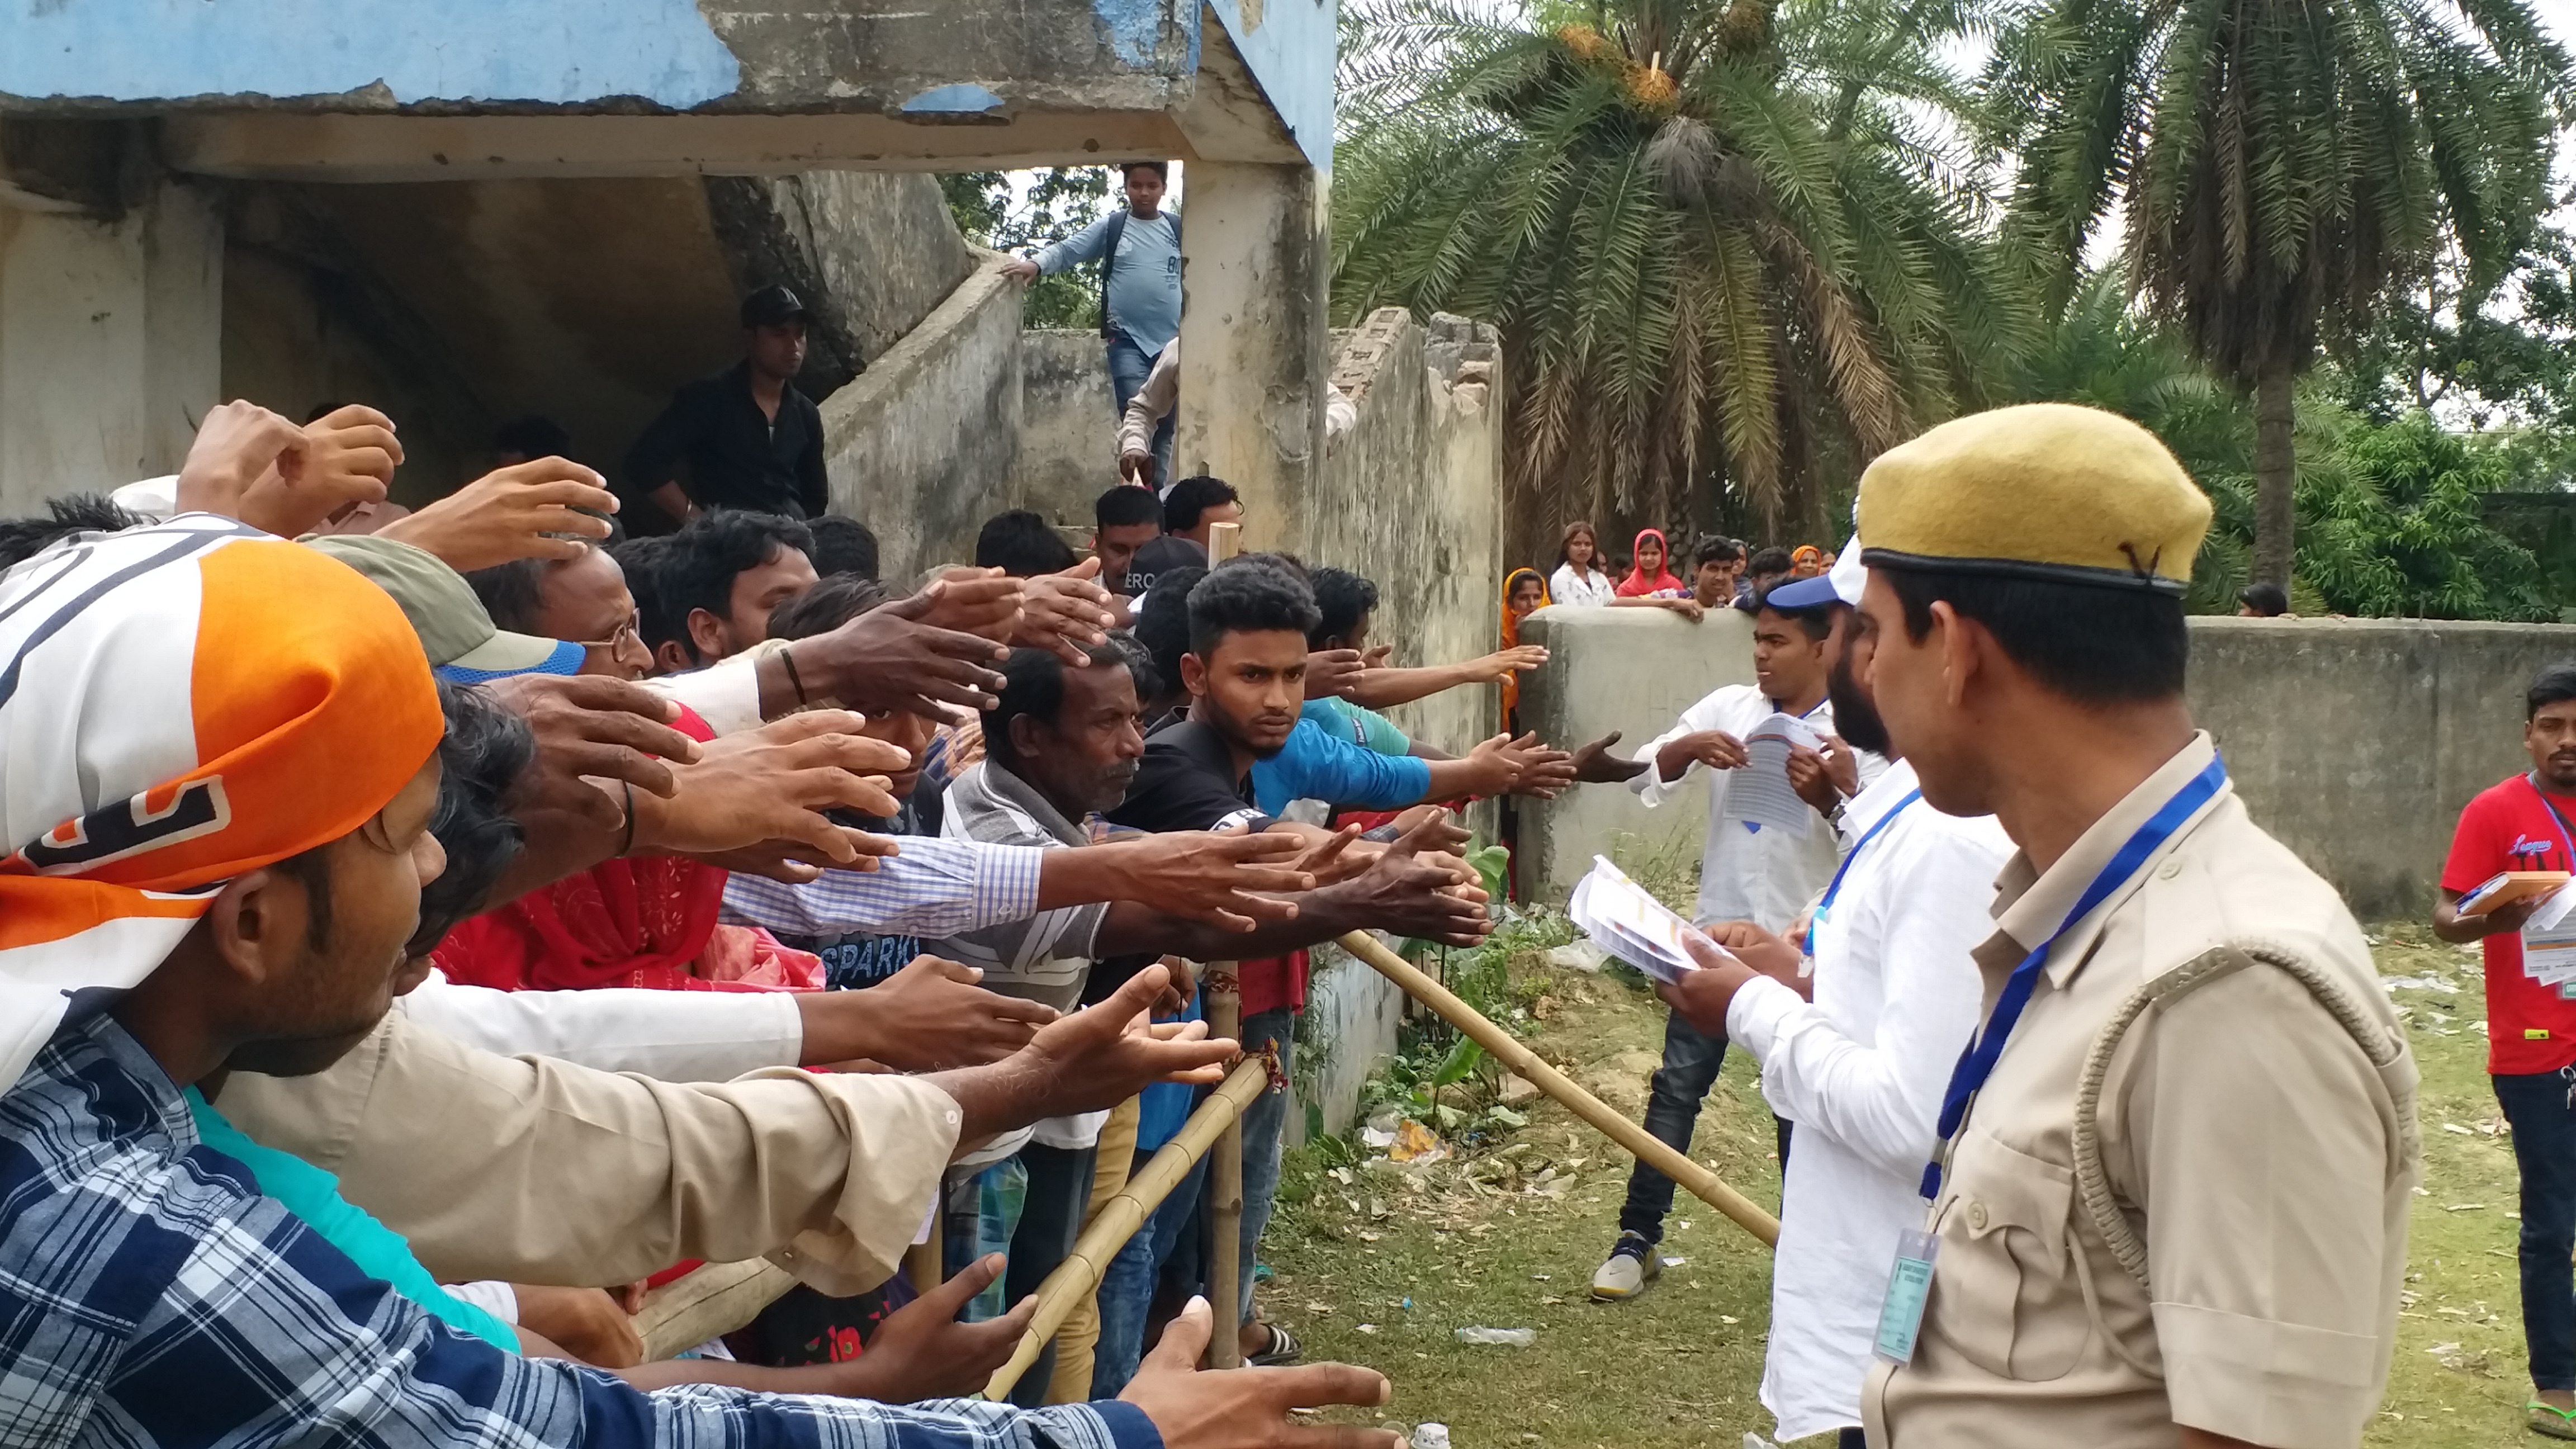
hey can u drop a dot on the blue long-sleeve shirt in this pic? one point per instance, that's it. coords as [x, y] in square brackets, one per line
[1144, 298]
[1314, 765]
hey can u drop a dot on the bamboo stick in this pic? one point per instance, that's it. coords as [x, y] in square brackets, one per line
[1509, 1050]
[715, 1300]
[1225, 540]
[1225, 1195]
[1079, 1273]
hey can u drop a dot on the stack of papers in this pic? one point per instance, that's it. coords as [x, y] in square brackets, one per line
[2549, 941]
[1760, 793]
[2509, 886]
[1630, 923]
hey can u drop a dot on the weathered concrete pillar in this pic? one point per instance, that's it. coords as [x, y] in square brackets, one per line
[1253, 340]
[110, 340]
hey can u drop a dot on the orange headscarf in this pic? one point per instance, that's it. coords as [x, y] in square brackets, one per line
[183, 703]
[1512, 635]
[1636, 585]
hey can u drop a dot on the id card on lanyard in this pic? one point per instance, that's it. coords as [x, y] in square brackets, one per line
[1909, 1283]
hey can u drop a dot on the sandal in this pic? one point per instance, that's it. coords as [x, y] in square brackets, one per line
[1285, 1349]
[2549, 1421]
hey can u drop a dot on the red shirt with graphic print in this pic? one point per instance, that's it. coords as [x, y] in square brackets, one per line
[2530, 1027]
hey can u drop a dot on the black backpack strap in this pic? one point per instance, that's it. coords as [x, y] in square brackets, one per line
[1109, 262]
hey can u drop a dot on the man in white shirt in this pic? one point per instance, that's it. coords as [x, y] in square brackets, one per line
[1861, 1067]
[1748, 872]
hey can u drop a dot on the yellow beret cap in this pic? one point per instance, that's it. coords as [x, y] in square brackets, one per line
[2045, 491]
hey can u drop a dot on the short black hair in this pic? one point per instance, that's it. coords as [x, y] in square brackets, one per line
[1033, 684]
[1021, 543]
[834, 600]
[2553, 684]
[2092, 644]
[1159, 168]
[480, 759]
[1773, 560]
[512, 593]
[1163, 621]
[1125, 506]
[1714, 549]
[1193, 496]
[532, 437]
[698, 570]
[24, 538]
[1247, 597]
[1342, 600]
[842, 546]
[641, 560]
[2265, 599]
[1816, 620]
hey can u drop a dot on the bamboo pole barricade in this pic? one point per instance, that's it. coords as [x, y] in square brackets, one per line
[1508, 1050]
[709, 1303]
[1079, 1274]
[1225, 1189]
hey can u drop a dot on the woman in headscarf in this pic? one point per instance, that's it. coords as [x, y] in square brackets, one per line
[1649, 578]
[1524, 593]
[1808, 561]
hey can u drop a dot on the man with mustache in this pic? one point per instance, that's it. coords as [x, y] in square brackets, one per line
[2522, 824]
[1856, 1036]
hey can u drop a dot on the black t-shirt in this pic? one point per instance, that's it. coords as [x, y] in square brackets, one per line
[1187, 782]
[737, 458]
[1160, 556]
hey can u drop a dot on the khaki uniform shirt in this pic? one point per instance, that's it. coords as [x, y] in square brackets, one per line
[539, 1171]
[2263, 1156]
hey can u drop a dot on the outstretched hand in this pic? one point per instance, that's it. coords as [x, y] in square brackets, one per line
[1216, 878]
[509, 514]
[774, 783]
[900, 658]
[1067, 612]
[589, 727]
[1089, 1061]
[922, 1352]
[1248, 1408]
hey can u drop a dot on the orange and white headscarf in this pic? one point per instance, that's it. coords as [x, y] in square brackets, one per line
[178, 704]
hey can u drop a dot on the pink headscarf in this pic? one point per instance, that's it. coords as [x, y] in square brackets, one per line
[1636, 585]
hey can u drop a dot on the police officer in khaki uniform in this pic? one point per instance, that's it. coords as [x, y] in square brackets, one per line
[2171, 1207]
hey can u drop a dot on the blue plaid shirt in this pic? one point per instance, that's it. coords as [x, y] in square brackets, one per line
[150, 1296]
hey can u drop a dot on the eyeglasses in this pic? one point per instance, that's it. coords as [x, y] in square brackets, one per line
[629, 633]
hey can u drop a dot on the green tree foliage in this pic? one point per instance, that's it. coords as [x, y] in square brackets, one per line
[2285, 166]
[2393, 514]
[1062, 200]
[1726, 243]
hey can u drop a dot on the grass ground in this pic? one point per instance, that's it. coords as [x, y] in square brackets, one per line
[1380, 1263]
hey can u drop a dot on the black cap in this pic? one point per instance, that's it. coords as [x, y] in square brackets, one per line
[772, 305]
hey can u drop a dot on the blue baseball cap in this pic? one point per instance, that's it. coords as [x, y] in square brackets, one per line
[1842, 584]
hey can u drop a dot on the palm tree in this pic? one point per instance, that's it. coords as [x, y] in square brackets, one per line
[1722, 241]
[2284, 166]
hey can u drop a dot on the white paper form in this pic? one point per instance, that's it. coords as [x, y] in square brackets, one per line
[1760, 793]
[2549, 940]
[1630, 923]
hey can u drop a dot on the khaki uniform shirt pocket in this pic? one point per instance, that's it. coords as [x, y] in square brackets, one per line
[2004, 1292]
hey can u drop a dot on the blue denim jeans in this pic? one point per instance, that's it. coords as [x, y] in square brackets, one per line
[1265, 1125]
[1127, 1289]
[2538, 1107]
[1678, 1087]
[1128, 366]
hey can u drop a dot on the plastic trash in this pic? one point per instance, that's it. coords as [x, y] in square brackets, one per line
[1509, 1337]
[1430, 1436]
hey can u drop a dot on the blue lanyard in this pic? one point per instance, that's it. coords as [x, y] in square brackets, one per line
[1834, 887]
[1978, 1061]
[2533, 780]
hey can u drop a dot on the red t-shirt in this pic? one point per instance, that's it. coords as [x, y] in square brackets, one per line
[2530, 1027]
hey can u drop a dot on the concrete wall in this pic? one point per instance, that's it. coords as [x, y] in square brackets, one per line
[1068, 442]
[2357, 741]
[920, 445]
[2354, 741]
[109, 332]
[1411, 498]
[1635, 671]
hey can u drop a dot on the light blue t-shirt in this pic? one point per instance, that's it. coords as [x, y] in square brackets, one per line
[1314, 765]
[1145, 287]
[1358, 724]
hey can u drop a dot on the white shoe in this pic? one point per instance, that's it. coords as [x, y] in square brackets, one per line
[1626, 1272]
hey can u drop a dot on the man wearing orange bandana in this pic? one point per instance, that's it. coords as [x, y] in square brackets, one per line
[216, 788]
